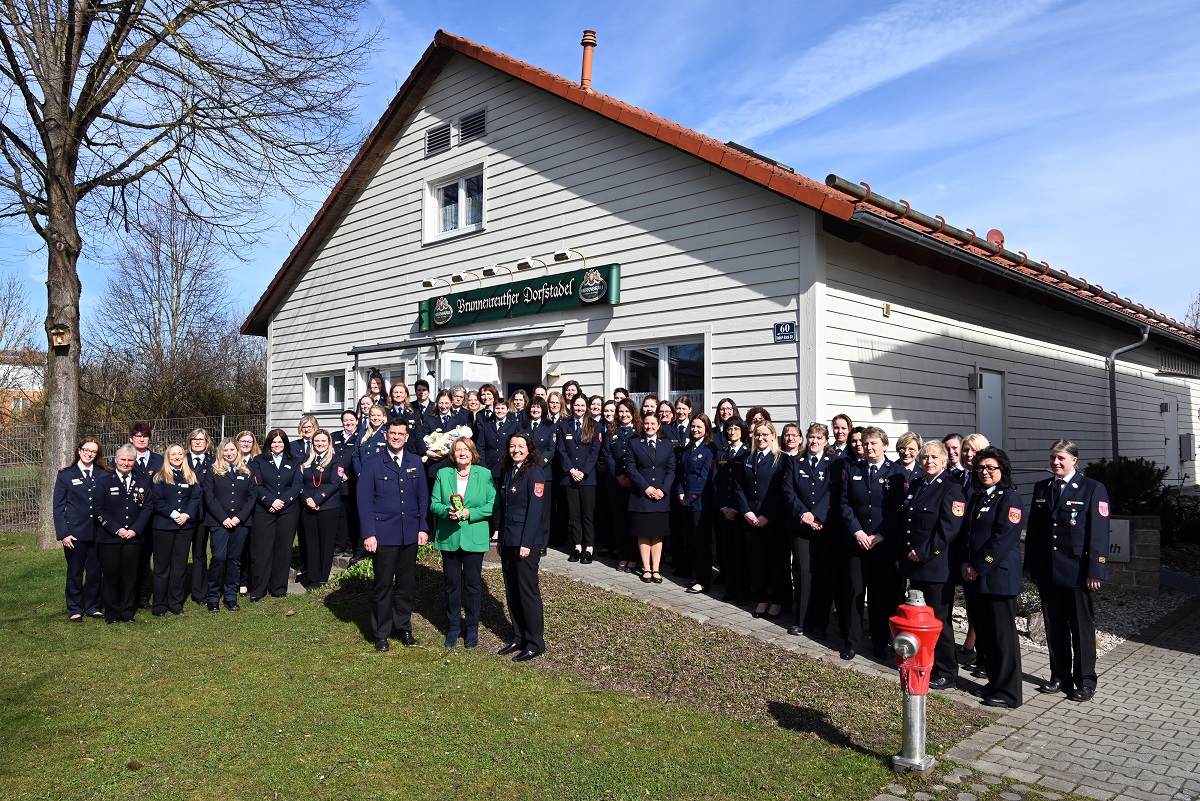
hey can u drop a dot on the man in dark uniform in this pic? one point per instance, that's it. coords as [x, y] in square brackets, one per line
[491, 438]
[123, 503]
[423, 404]
[146, 463]
[393, 506]
[1066, 546]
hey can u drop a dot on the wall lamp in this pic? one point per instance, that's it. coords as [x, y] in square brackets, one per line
[565, 255]
[458, 278]
[527, 263]
[428, 283]
[493, 270]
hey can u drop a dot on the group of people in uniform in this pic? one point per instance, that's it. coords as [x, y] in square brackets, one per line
[814, 526]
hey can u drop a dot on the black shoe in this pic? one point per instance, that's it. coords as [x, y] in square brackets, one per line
[382, 645]
[213, 606]
[451, 639]
[965, 656]
[846, 653]
[574, 557]
[254, 599]
[1052, 686]
[355, 560]
[1082, 694]
[795, 631]
[406, 639]
[233, 606]
[586, 558]
[997, 702]
[940, 683]
[511, 648]
[819, 635]
[979, 673]
[542, 551]
[693, 591]
[526, 655]
[655, 576]
[471, 641]
[159, 613]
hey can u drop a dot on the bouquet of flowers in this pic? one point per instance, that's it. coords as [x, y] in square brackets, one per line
[440, 442]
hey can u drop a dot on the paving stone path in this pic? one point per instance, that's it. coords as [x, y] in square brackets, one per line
[1139, 738]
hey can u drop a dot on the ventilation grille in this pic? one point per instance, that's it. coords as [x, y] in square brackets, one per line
[437, 140]
[472, 126]
[1174, 364]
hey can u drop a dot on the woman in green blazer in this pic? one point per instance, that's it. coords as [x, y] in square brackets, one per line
[461, 501]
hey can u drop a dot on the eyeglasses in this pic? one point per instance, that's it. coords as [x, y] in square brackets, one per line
[92, 451]
[987, 468]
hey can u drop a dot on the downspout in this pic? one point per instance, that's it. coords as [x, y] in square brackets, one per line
[1112, 386]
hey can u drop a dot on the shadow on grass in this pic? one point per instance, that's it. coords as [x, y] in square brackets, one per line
[350, 602]
[811, 721]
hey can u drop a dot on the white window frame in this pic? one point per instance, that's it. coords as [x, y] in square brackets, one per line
[458, 172]
[702, 339]
[312, 383]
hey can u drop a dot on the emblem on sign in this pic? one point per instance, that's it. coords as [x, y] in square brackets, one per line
[592, 287]
[442, 311]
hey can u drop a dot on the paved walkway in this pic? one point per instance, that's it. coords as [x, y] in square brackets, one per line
[1139, 738]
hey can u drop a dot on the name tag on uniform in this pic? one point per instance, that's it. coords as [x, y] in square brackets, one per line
[411, 470]
[239, 478]
[858, 478]
[288, 466]
[1039, 500]
[570, 436]
[77, 481]
[114, 490]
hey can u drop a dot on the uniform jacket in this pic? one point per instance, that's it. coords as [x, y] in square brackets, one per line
[931, 516]
[575, 455]
[649, 467]
[992, 534]
[492, 443]
[369, 446]
[344, 445]
[299, 450]
[178, 497]
[866, 504]
[201, 471]
[431, 423]
[545, 436]
[473, 534]
[154, 461]
[117, 509]
[75, 502]
[807, 488]
[728, 471]
[1067, 544]
[230, 495]
[282, 484]
[694, 477]
[519, 507]
[613, 449]
[759, 488]
[322, 485]
[393, 500]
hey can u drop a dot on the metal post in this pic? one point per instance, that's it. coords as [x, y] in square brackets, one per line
[912, 754]
[222, 439]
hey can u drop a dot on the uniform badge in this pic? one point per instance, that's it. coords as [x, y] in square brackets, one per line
[988, 559]
[341, 472]
[538, 489]
[958, 508]
[1102, 506]
[1014, 515]
[1101, 560]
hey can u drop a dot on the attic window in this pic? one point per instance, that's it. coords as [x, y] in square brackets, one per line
[437, 140]
[472, 126]
[1173, 364]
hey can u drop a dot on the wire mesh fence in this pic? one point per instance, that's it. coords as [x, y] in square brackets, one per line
[22, 454]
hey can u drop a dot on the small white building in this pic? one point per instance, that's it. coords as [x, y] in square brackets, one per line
[462, 227]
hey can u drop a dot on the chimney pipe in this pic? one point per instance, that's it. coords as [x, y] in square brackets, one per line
[589, 44]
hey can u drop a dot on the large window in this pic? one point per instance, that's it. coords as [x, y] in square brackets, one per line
[667, 371]
[328, 391]
[459, 205]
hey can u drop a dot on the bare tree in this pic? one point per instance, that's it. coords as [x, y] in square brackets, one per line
[99, 102]
[1192, 316]
[20, 364]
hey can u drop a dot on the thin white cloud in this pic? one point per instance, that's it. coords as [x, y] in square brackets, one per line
[870, 52]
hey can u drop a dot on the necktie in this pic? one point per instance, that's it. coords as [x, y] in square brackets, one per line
[444, 420]
[396, 458]
[535, 425]
[651, 441]
[871, 473]
[497, 425]
[577, 426]
[1056, 492]
[141, 464]
[87, 474]
[125, 484]
[812, 463]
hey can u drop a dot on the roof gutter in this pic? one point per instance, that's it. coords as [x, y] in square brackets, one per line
[1111, 364]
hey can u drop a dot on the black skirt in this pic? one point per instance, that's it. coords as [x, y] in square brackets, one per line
[650, 525]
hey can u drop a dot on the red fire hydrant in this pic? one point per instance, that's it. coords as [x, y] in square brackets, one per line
[915, 632]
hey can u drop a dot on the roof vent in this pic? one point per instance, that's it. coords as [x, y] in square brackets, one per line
[472, 126]
[759, 156]
[437, 140]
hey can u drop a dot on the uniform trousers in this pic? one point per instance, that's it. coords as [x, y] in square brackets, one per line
[342, 540]
[271, 538]
[618, 504]
[393, 591]
[118, 572]
[735, 565]
[605, 537]
[524, 596]
[225, 566]
[170, 567]
[766, 557]
[940, 596]
[1070, 635]
[83, 578]
[145, 576]
[681, 558]
[826, 559]
[697, 530]
[464, 589]
[320, 531]
[547, 511]
[581, 512]
[996, 631]
[870, 575]
[199, 563]
[803, 541]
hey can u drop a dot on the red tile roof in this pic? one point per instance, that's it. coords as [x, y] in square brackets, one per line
[804, 190]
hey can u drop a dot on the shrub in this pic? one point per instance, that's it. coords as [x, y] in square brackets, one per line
[1135, 486]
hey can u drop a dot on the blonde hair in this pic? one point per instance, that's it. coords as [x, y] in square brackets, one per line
[326, 457]
[308, 418]
[221, 467]
[369, 432]
[255, 450]
[166, 473]
[774, 446]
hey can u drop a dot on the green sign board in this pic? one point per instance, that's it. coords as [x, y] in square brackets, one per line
[593, 286]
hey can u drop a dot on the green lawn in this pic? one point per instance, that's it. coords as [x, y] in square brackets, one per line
[630, 702]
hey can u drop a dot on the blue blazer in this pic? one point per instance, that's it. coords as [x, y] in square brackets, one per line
[323, 486]
[520, 507]
[492, 444]
[545, 436]
[809, 489]
[393, 500]
[230, 495]
[866, 504]
[297, 449]
[759, 486]
[613, 449]
[1067, 544]
[117, 509]
[177, 497]
[153, 462]
[728, 469]
[931, 516]
[282, 484]
[647, 468]
[576, 455]
[372, 445]
[75, 502]
[694, 476]
[993, 541]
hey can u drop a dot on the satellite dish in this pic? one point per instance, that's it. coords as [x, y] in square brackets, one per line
[996, 237]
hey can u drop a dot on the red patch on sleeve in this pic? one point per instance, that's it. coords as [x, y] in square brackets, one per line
[1014, 515]
[958, 508]
[538, 489]
[341, 472]
[1102, 507]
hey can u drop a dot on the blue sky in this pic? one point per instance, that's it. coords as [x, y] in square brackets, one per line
[1070, 126]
